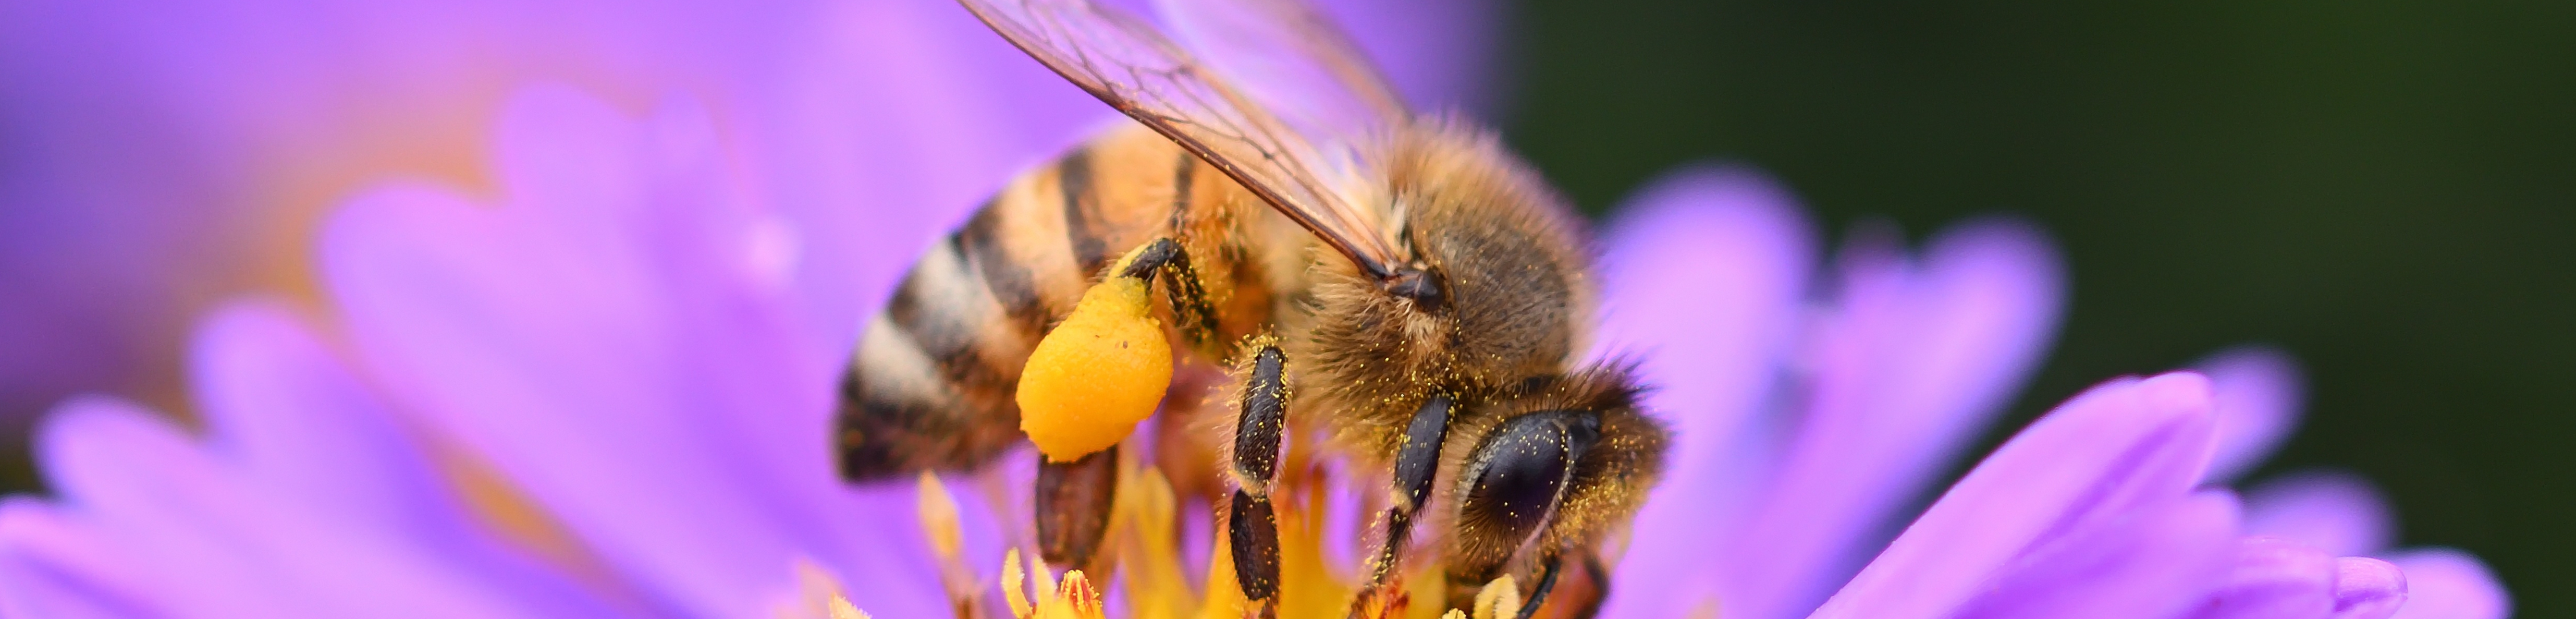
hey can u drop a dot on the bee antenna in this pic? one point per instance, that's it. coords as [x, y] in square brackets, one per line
[1421, 286]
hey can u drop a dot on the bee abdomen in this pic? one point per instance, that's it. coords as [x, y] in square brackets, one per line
[930, 386]
[932, 383]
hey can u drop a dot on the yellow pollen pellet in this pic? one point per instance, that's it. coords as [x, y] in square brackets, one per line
[1097, 374]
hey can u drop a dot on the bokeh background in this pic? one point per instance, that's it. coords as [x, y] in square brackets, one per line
[2385, 188]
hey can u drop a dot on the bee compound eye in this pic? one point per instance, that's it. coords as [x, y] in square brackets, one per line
[1521, 470]
[1422, 286]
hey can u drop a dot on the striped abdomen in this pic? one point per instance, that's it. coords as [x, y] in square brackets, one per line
[931, 383]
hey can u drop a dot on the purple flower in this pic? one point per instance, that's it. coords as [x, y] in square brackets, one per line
[601, 387]
[1811, 418]
[166, 154]
[169, 153]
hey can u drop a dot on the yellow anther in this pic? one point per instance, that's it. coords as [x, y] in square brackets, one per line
[1149, 559]
[1076, 598]
[1098, 373]
[842, 609]
[1455, 614]
[1015, 584]
[938, 513]
[818, 596]
[1500, 599]
[1045, 577]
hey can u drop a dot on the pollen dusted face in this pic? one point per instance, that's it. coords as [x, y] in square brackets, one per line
[1511, 311]
[1512, 297]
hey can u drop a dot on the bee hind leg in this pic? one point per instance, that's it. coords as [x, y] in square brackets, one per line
[1074, 499]
[1073, 507]
[1192, 313]
[1252, 526]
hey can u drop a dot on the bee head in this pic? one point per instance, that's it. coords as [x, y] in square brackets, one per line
[1488, 285]
[1553, 463]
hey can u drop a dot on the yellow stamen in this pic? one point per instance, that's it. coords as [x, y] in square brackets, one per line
[1143, 522]
[1044, 576]
[1500, 599]
[1076, 598]
[1308, 585]
[938, 513]
[818, 596]
[1144, 549]
[1015, 585]
[841, 609]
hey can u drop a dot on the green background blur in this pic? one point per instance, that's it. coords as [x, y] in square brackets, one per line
[2385, 189]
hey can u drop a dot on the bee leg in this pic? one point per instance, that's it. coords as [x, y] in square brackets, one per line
[1546, 583]
[1252, 527]
[1577, 596]
[1192, 314]
[1415, 463]
[1073, 504]
[1074, 499]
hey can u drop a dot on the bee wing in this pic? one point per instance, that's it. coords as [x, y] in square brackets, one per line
[1293, 59]
[1127, 64]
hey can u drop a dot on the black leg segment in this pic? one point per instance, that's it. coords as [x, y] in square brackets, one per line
[1254, 541]
[1546, 583]
[1253, 529]
[1265, 416]
[1073, 506]
[1416, 462]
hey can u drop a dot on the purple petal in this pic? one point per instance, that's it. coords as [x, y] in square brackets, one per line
[885, 126]
[2367, 588]
[304, 431]
[1440, 54]
[155, 522]
[291, 413]
[603, 339]
[2259, 393]
[1701, 283]
[2111, 452]
[2149, 565]
[2337, 512]
[1908, 365]
[2275, 579]
[54, 566]
[2442, 583]
[184, 142]
[136, 479]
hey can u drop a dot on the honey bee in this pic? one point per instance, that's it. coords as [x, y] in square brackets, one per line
[1398, 280]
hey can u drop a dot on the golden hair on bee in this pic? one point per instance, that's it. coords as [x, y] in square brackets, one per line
[1400, 288]
[1514, 300]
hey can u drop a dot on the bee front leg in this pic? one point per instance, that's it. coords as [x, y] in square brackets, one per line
[1252, 526]
[1415, 464]
[1577, 594]
[1548, 568]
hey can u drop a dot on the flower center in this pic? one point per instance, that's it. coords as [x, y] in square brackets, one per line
[1150, 580]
